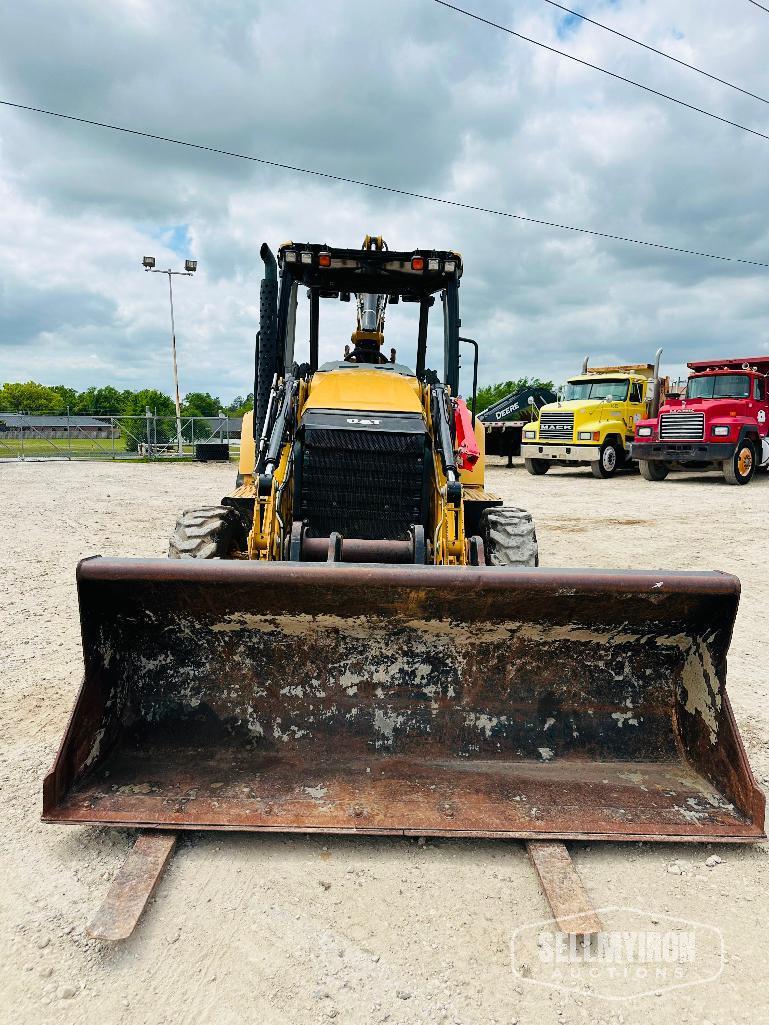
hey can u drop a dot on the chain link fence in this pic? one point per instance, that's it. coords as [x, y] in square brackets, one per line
[150, 437]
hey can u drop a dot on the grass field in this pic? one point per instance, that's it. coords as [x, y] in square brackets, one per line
[80, 448]
[59, 447]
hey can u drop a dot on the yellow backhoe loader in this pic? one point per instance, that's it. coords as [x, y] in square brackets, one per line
[358, 639]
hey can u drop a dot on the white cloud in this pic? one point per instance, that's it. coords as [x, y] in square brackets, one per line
[403, 93]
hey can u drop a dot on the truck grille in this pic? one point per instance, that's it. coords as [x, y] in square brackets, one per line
[556, 427]
[682, 427]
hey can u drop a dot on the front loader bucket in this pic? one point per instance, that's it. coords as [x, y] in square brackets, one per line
[405, 700]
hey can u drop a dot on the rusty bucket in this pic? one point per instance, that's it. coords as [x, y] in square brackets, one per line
[405, 700]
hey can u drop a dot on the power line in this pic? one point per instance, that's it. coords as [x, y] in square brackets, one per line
[756, 4]
[661, 53]
[604, 71]
[381, 188]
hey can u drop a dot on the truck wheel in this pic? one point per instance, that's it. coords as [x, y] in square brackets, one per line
[509, 537]
[609, 461]
[208, 533]
[537, 467]
[653, 470]
[739, 469]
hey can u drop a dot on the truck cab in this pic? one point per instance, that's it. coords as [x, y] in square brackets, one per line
[719, 423]
[593, 422]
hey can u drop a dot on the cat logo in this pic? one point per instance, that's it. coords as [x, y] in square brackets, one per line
[362, 421]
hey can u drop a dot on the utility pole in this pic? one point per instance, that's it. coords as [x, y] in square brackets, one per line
[190, 266]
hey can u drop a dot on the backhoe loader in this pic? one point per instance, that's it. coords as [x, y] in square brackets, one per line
[358, 638]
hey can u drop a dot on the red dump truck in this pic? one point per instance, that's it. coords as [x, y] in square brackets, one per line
[719, 423]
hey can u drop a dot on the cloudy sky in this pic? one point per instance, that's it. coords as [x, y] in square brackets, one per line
[404, 93]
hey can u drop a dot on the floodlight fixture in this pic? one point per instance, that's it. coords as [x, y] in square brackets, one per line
[148, 262]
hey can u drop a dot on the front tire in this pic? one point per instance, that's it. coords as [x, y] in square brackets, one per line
[740, 468]
[208, 533]
[509, 537]
[653, 470]
[537, 467]
[609, 460]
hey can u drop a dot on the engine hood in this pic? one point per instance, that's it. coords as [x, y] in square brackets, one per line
[576, 406]
[713, 407]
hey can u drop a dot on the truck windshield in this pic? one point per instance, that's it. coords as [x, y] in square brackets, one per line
[601, 388]
[719, 386]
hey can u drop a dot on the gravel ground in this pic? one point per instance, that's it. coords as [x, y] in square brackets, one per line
[272, 929]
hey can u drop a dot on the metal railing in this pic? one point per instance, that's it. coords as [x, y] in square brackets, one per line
[149, 437]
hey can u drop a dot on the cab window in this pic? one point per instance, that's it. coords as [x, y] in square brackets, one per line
[719, 386]
[760, 391]
[636, 392]
[612, 391]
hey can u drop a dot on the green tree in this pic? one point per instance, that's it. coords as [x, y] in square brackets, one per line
[106, 401]
[69, 396]
[200, 403]
[157, 402]
[30, 397]
[240, 405]
[135, 430]
[492, 393]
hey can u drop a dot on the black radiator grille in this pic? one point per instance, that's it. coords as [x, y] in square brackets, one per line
[364, 484]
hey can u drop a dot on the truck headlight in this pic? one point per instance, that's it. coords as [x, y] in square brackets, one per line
[585, 436]
[529, 434]
[721, 430]
[644, 432]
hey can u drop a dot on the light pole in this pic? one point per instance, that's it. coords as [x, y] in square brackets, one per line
[190, 266]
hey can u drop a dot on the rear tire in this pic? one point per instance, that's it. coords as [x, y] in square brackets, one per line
[208, 533]
[537, 467]
[740, 467]
[609, 461]
[652, 470]
[509, 537]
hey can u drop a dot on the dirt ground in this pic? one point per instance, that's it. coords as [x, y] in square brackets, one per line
[284, 930]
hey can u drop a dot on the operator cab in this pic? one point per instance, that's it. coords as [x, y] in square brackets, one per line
[375, 278]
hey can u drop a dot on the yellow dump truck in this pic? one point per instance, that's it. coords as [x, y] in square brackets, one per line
[593, 421]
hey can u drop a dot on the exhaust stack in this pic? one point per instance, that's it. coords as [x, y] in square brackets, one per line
[656, 387]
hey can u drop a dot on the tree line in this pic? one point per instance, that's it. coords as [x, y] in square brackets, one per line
[32, 397]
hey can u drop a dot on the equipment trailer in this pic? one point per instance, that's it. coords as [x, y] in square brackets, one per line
[504, 420]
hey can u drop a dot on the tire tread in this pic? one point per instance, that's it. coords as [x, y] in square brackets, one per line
[206, 533]
[509, 537]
